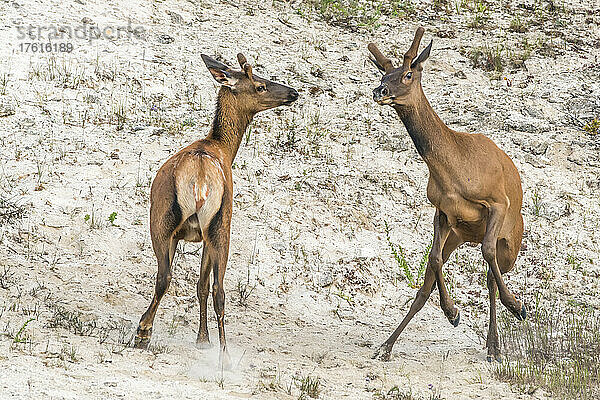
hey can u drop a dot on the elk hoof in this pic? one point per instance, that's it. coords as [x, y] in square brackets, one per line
[497, 358]
[225, 361]
[142, 338]
[383, 353]
[454, 321]
[521, 315]
[203, 343]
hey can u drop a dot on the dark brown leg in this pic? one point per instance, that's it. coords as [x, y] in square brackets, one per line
[203, 289]
[489, 249]
[506, 254]
[164, 254]
[492, 343]
[218, 245]
[451, 312]
[440, 234]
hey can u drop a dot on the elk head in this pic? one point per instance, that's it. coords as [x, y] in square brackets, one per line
[400, 86]
[253, 93]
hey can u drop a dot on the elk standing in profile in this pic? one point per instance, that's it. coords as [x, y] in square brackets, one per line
[474, 186]
[191, 196]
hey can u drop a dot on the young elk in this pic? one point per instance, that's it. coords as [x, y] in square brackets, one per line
[474, 186]
[191, 196]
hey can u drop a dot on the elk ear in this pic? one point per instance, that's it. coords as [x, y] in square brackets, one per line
[219, 71]
[420, 61]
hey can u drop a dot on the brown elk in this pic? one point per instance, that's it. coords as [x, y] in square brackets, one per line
[191, 196]
[474, 186]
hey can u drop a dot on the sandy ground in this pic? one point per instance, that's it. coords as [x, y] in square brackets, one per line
[314, 184]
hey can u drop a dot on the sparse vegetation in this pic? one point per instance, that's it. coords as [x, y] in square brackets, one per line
[592, 127]
[10, 211]
[480, 14]
[517, 25]
[487, 58]
[556, 349]
[536, 203]
[309, 387]
[351, 14]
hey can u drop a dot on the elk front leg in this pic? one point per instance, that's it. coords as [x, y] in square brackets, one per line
[203, 289]
[440, 234]
[451, 243]
[496, 215]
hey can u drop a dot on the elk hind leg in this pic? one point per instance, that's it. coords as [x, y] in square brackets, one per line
[164, 251]
[490, 254]
[203, 289]
[506, 253]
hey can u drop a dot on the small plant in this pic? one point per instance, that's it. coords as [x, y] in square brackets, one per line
[394, 393]
[537, 203]
[3, 83]
[592, 127]
[10, 210]
[573, 261]
[481, 14]
[244, 290]
[173, 325]
[309, 386]
[516, 25]
[487, 58]
[159, 348]
[19, 337]
[92, 219]
[69, 353]
[119, 114]
[400, 257]
[112, 217]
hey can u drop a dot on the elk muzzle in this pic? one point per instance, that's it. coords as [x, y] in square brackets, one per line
[382, 95]
[292, 96]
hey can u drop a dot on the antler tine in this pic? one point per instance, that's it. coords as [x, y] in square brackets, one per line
[385, 62]
[412, 52]
[242, 60]
[245, 66]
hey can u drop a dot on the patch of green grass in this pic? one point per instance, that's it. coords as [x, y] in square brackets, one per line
[557, 349]
[480, 14]
[517, 25]
[309, 387]
[592, 127]
[350, 14]
[487, 58]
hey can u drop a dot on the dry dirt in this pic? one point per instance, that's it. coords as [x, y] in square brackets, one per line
[83, 133]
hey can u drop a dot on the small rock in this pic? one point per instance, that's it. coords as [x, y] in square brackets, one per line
[175, 18]
[324, 279]
[163, 38]
[279, 246]
[519, 122]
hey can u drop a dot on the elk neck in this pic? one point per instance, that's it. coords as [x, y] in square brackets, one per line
[432, 138]
[230, 122]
